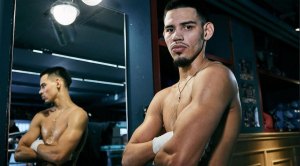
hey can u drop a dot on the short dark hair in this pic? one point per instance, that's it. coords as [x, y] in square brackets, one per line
[60, 72]
[199, 7]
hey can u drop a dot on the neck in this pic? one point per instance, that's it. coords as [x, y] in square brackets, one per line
[198, 64]
[63, 101]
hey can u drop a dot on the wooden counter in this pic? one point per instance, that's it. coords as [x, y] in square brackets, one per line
[267, 149]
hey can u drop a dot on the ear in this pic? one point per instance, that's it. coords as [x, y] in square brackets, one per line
[208, 30]
[58, 83]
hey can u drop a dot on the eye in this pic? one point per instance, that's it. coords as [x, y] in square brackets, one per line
[43, 86]
[169, 30]
[188, 27]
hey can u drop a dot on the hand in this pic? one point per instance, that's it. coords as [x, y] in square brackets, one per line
[36, 143]
[158, 142]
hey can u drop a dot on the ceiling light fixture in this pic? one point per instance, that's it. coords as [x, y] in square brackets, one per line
[91, 2]
[297, 29]
[25, 72]
[82, 59]
[64, 11]
[88, 61]
[103, 82]
[37, 51]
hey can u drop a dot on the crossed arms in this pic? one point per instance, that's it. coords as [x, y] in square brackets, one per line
[58, 152]
[194, 126]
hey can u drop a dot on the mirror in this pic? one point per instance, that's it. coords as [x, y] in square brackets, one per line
[92, 49]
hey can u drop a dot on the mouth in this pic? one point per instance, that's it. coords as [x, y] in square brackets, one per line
[178, 48]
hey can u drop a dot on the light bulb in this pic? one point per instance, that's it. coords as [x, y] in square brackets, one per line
[64, 12]
[91, 2]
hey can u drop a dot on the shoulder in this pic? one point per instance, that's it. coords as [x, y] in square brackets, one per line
[217, 73]
[79, 112]
[42, 114]
[40, 117]
[218, 69]
[215, 81]
[157, 103]
[163, 93]
[78, 117]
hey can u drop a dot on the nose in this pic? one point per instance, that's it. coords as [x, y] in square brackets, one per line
[40, 92]
[177, 36]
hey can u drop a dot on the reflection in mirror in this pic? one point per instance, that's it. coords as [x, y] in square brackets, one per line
[92, 49]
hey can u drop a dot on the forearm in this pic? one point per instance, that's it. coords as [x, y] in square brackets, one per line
[36, 152]
[173, 159]
[52, 154]
[24, 154]
[137, 154]
[173, 154]
[162, 159]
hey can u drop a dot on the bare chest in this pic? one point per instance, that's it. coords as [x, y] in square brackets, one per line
[53, 127]
[174, 104]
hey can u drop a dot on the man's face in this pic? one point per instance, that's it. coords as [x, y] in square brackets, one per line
[48, 88]
[183, 34]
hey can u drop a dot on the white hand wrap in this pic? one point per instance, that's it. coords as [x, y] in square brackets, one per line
[36, 143]
[158, 142]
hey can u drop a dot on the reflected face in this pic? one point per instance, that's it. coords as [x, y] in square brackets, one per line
[48, 88]
[183, 34]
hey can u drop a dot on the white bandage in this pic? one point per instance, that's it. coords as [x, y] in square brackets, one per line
[36, 143]
[158, 142]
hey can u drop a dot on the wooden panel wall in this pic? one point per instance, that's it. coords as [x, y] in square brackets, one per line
[267, 149]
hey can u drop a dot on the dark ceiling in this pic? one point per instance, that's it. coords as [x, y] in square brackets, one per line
[96, 36]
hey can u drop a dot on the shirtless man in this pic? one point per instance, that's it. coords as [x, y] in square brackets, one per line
[201, 113]
[62, 127]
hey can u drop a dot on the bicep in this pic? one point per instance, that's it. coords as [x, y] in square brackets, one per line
[197, 122]
[147, 130]
[152, 124]
[75, 130]
[23, 151]
[193, 131]
[33, 133]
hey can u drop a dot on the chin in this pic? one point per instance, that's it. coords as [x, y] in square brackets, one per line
[182, 62]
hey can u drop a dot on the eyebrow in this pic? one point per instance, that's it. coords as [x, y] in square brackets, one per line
[183, 23]
[188, 22]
